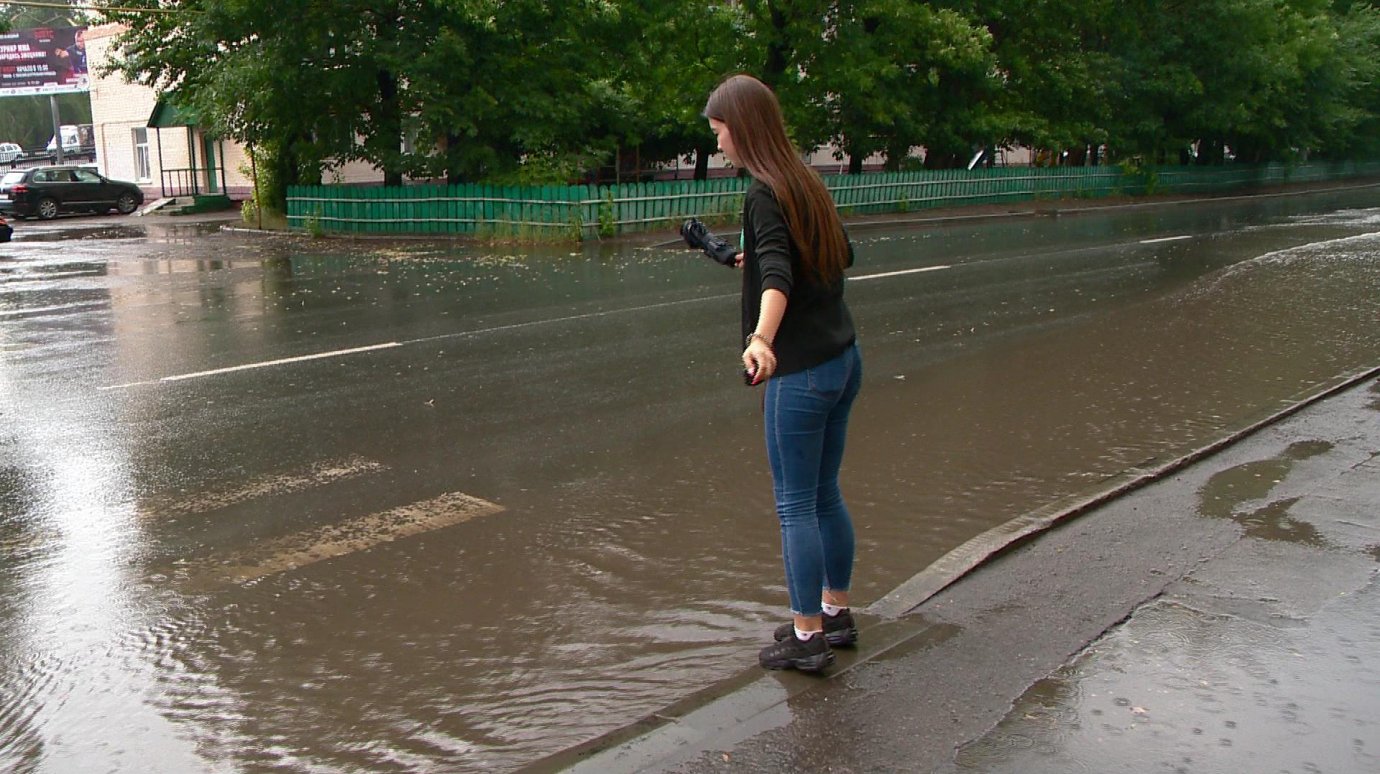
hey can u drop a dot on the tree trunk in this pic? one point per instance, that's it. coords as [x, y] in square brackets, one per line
[1211, 152]
[286, 171]
[935, 159]
[895, 157]
[778, 48]
[387, 139]
[390, 128]
[454, 176]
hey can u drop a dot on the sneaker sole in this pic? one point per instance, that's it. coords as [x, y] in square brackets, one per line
[809, 664]
[842, 639]
[839, 638]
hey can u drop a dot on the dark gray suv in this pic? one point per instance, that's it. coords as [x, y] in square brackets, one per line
[46, 192]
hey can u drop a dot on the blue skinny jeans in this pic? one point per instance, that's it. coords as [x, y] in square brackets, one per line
[806, 425]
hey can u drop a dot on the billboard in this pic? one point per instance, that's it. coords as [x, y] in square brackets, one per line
[43, 60]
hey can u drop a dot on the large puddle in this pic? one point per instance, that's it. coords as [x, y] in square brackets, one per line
[404, 506]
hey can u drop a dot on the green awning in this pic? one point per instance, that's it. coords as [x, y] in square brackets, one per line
[167, 114]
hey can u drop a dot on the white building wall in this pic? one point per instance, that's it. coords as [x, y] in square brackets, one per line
[119, 108]
[116, 109]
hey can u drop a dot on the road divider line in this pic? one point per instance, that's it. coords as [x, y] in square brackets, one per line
[58, 308]
[252, 366]
[423, 340]
[283, 361]
[335, 540]
[901, 273]
[1166, 239]
[34, 277]
[471, 333]
[567, 318]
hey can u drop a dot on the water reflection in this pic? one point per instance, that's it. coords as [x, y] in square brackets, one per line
[88, 229]
[74, 592]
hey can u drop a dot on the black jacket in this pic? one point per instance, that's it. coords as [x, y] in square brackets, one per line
[817, 326]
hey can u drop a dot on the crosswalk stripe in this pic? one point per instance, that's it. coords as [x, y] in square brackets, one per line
[321, 474]
[335, 540]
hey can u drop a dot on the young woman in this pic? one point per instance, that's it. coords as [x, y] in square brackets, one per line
[799, 342]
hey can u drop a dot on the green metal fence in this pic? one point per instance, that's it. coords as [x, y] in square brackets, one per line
[580, 212]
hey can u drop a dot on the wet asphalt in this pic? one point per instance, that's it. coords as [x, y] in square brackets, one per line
[1223, 617]
[1165, 629]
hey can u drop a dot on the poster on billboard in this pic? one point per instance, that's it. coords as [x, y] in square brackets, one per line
[43, 60]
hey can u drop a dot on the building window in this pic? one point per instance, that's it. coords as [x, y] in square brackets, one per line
[142, 169]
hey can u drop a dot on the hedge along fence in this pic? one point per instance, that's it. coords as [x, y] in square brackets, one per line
[543, 213]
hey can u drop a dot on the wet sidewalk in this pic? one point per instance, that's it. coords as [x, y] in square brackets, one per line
[1225, 617]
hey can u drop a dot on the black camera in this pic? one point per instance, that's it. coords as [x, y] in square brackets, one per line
[698, 236]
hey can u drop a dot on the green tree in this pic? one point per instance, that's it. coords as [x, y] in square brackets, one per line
[280, 78]
[1311, 87]
[1349, 121]
[881, 73]
[544, 90]
[877, 75]
[1053, 62]
[514, 81]
[468, 89]
[659, 86]
[1269, 79]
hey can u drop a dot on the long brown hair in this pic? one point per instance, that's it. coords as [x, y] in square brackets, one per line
[753, 116]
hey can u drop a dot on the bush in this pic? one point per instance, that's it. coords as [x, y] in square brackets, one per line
[608, 224]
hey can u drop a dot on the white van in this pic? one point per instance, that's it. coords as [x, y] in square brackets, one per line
[77, 143]
[71, 139]
[10, 152]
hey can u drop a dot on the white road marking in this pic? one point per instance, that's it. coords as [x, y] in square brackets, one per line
[321, 474]
[1166, 239]
[261, 364]
[470, 333]
[334, 540]
[391, 344]
[31, 278]
[267, 363]
[58, 308]
[898, 273]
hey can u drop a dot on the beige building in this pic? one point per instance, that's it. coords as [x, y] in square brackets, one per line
[143, 140]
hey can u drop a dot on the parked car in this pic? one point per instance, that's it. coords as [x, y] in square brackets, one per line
[10, 152]
[46, 192]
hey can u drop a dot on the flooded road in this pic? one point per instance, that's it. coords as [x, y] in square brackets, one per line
[397, 506]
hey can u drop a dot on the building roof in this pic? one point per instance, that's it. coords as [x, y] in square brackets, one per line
[167, 113]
